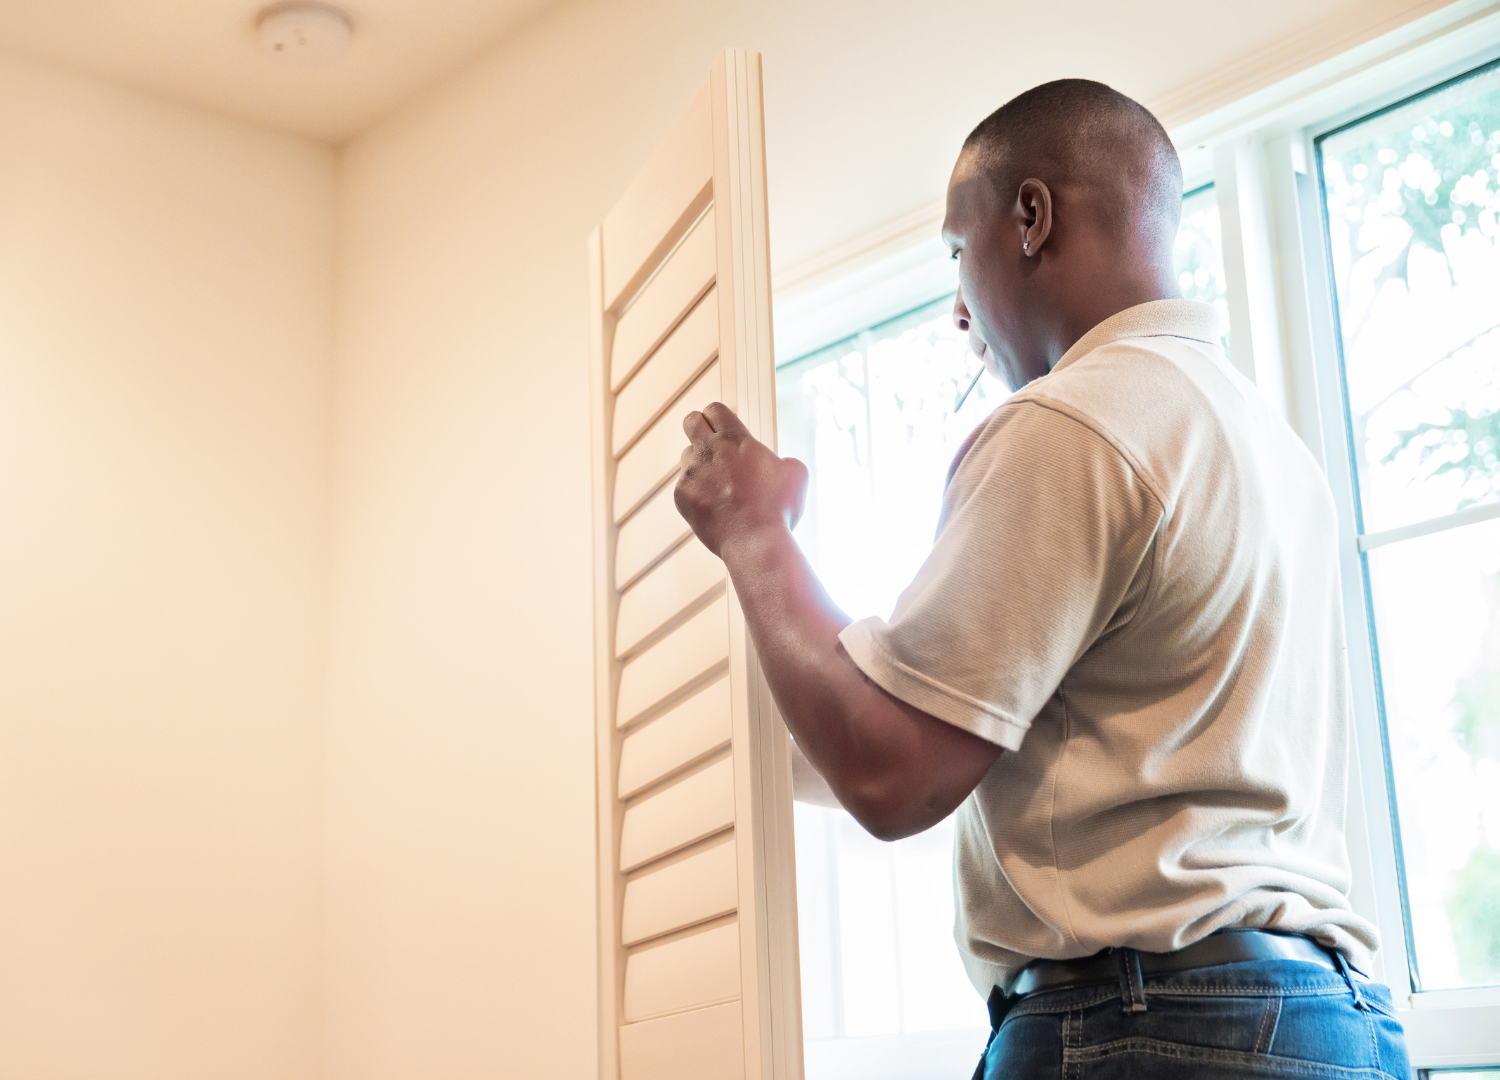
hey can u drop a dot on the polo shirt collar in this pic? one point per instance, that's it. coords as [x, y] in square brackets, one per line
[1189, 319]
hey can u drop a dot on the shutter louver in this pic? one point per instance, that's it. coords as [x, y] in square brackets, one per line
[698, 961]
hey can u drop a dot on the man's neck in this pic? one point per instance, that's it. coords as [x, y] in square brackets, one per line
[1089, 305]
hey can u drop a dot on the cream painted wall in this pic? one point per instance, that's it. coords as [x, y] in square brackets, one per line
[460, 891]
[165, 332]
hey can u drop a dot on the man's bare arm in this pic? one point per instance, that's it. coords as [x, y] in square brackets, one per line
[897, 769]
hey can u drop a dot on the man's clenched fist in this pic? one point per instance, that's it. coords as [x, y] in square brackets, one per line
[731, 483]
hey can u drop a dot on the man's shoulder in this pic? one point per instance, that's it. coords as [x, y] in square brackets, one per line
[1155, 399]
[1147, 399]
[1186, 420]
[1046, 435]
[1137, 380]
[1047, 425]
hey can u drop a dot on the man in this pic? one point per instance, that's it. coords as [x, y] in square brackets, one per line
[1122, 664]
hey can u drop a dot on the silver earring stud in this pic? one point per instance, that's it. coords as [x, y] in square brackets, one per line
[1026, 246]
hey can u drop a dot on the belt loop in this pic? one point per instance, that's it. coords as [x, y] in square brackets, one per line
[1132, 986]
[1338, 958]
[998, 1005]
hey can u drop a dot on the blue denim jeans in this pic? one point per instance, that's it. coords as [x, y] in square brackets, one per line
[1276, 1018]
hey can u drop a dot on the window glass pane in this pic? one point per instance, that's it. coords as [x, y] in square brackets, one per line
[1200, 254]
[1437, 621]
[1411, 200]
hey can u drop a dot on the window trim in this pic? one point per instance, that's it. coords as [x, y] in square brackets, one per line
[897, 267]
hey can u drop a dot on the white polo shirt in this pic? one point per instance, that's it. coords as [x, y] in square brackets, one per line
[1135, 591]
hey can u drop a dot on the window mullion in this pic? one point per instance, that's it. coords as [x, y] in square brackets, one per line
[1247, 212]
[1271, 335]
[1285, 164]
[1472, 516]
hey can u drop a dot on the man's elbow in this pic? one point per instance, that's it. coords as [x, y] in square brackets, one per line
[889, 810]
[890, 829]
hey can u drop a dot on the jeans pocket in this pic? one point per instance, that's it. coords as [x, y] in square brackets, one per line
[1165, 1060]
[1329, 1029]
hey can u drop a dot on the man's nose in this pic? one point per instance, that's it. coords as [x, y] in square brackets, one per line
[960, 312]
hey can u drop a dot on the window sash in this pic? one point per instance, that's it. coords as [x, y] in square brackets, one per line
[1339, 429]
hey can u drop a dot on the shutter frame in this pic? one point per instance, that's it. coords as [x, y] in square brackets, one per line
[759, 756]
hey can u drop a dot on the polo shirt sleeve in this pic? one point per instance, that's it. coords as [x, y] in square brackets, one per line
[1044, 543]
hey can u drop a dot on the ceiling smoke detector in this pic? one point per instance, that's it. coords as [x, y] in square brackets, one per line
[304, 34]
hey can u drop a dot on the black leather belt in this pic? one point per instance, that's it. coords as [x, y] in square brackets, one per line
[1223, 947]
[1130, 967]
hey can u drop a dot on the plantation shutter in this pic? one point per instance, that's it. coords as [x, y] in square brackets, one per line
[697, 910]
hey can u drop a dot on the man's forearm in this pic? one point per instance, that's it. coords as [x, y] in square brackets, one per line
[895, 768]
[795, 626]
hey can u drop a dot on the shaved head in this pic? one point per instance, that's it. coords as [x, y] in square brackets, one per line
[1080, 134]
[1062, 210]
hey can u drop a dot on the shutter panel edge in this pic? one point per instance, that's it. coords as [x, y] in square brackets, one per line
[769, 967]
[610, 990]
[764, 922]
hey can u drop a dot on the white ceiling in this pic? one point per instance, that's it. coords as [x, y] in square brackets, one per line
[206, 52]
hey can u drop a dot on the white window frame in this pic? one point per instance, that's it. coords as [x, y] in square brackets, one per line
[1258, 153]
[1282, 334]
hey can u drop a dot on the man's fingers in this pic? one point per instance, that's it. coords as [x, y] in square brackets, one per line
[697, 427]
[714, 419]
[724, 421]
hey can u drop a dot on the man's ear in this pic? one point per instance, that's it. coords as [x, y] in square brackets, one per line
[1034, 206]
